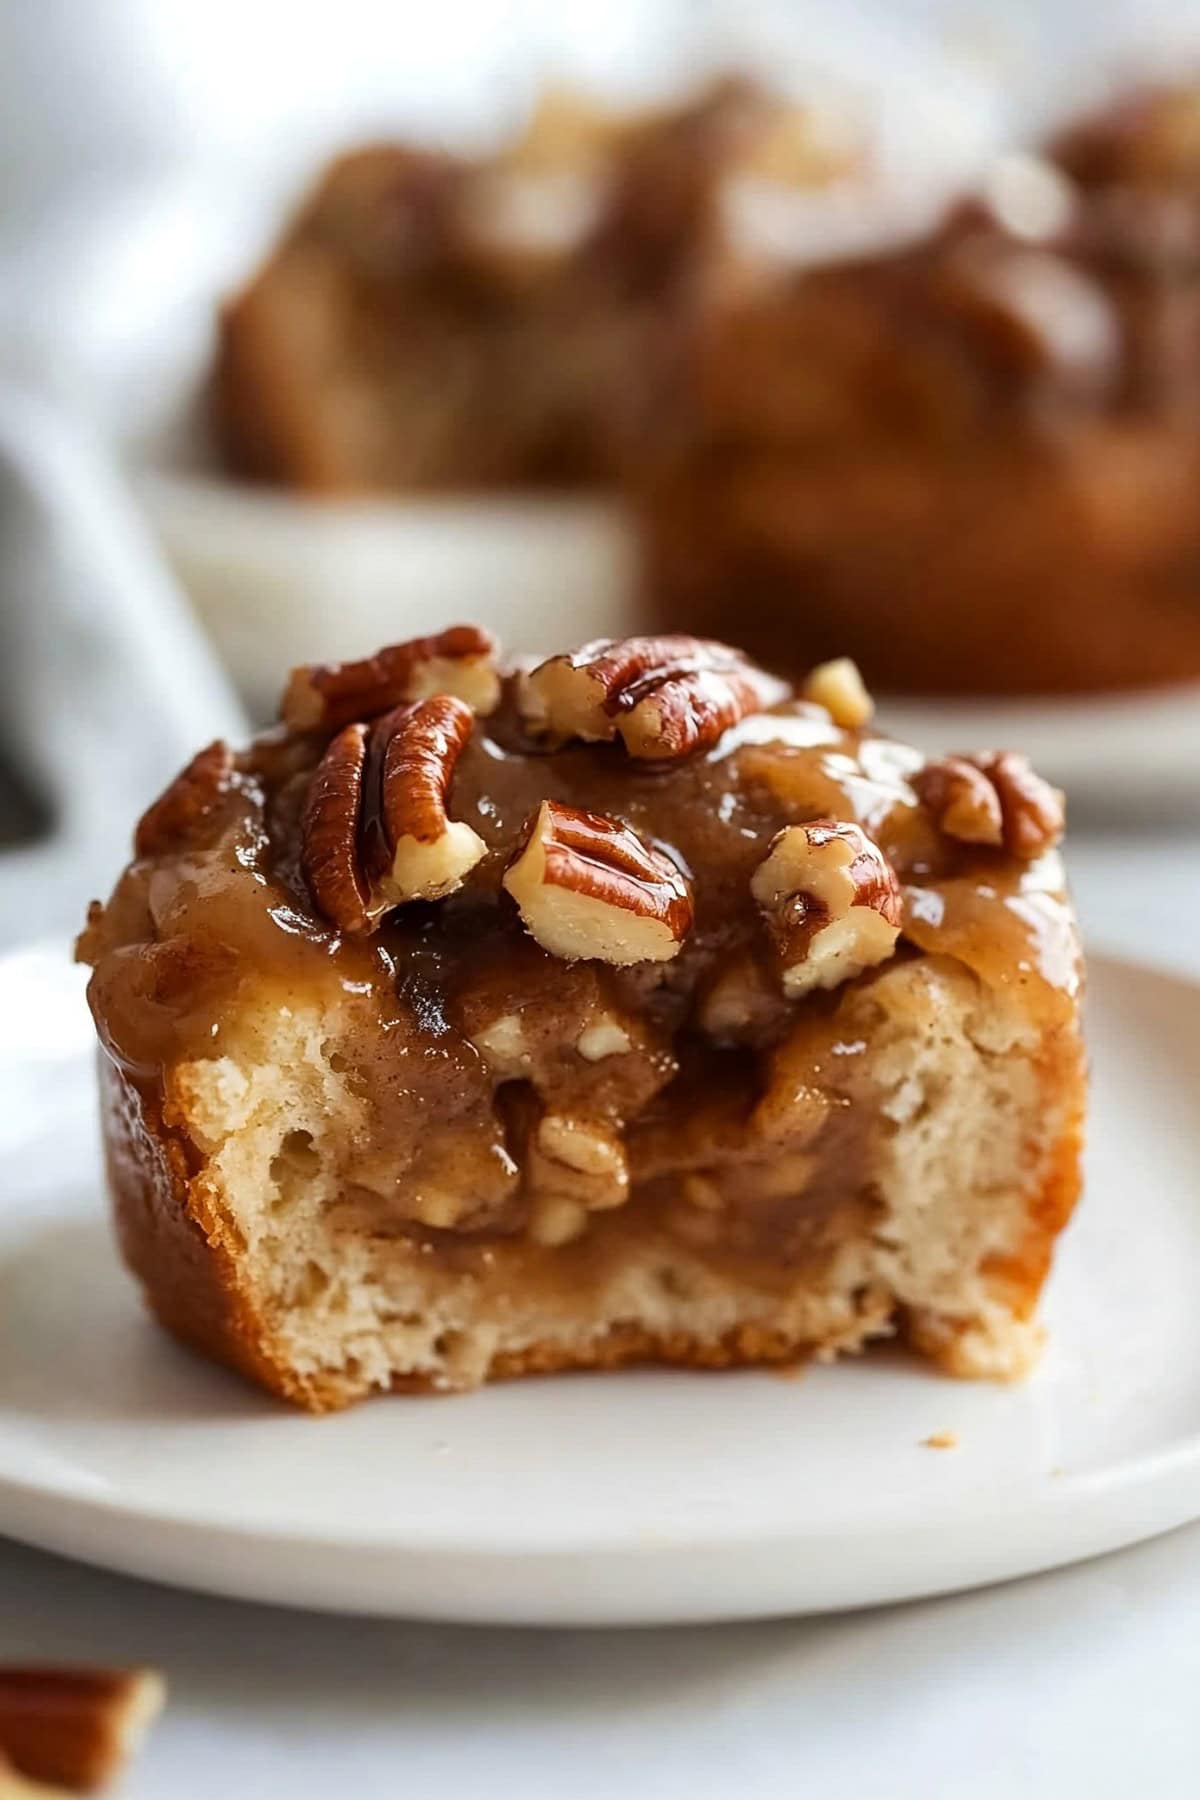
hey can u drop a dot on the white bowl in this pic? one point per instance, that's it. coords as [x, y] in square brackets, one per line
[279, 580]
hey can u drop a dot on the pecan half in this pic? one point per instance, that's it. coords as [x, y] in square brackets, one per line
[587, 886]
[460, 661]
[185, 808]
[994, 799]
[663, 696]
[831, 902]
[374, 832]
[962, 800]
[75, 1727]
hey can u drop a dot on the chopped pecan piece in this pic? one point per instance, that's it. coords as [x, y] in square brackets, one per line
[663, 696]
[587, 886]
[572, 1165]
[503, 1044]
[831, 901]
[182, 811]
[75, 1727]
[580, 1159]
[840, 689]
[374, 832]
[604, 1036]
[460, 661]
[994, 799]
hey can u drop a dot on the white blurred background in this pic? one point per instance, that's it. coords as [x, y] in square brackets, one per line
[141, 139]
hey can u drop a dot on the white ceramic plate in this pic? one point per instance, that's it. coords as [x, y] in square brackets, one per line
[631, 1498]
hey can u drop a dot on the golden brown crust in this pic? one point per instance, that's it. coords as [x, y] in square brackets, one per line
[1016, 1279]
[74, 1726]
[280, 433]
[1020, 1275]
[176, 1241]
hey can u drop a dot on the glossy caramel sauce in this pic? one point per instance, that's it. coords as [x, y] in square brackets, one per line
[747, 1130]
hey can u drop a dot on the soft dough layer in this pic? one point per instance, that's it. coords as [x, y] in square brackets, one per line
[968, 1174]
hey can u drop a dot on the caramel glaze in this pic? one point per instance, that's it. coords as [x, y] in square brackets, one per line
[772, 1115]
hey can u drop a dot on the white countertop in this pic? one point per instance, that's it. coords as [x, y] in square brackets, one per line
[1079, 1682]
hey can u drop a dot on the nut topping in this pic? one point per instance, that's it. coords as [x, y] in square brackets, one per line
[460, 661]
[962, 800]
[663, 696]
[185, 808]
[587, 886]
[375, 832]
[831, 901]
[74, 1727]
[430, 854]
[1032, 810]
[840, 689]
[329, 852]
[995, 799]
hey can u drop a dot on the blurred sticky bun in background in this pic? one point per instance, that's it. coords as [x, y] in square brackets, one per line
[968, 460]
[431, 321]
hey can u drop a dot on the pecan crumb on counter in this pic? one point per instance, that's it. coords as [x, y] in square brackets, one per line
[73, 1728]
